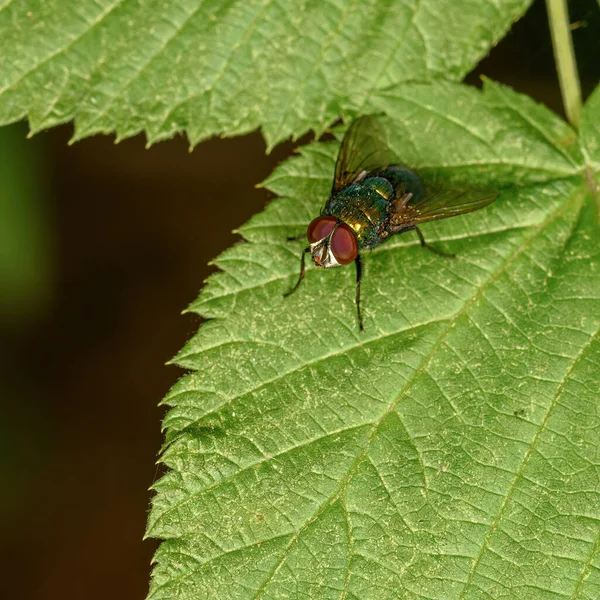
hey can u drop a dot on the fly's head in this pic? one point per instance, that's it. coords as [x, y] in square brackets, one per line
[332, 242]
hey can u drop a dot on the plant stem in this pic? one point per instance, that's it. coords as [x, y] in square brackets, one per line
[558, 16]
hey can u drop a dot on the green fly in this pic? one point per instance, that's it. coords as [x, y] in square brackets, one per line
[372, 200]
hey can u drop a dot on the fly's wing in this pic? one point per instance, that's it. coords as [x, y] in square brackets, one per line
[440, 201]
[364, 148]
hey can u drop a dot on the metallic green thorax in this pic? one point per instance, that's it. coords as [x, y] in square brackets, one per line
[366, 206]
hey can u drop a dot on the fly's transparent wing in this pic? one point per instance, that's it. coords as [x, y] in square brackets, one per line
[441, 200]
[364, 148]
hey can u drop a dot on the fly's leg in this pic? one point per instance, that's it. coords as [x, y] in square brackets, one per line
[358, 264]
[295, 238]
[302, 271]
[424, 244]
[400, 203]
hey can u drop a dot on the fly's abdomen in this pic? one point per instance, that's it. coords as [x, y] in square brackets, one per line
[403, 180]
[365, 208]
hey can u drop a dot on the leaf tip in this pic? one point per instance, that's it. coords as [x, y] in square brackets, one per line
[77, 135]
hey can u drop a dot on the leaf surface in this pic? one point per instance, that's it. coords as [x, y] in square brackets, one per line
[207, 67]
[590, 130]
[449, 452]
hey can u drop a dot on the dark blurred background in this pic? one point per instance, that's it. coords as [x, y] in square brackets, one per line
[101, 247]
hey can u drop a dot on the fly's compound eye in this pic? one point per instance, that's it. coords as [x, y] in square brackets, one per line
[320, 228]
[344, 244]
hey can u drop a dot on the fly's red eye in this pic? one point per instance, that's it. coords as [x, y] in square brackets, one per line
[344, 244]
[319, 228]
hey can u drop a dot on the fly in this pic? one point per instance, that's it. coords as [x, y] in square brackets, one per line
[372, 200]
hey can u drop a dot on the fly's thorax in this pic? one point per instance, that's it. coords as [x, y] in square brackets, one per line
[365, 208]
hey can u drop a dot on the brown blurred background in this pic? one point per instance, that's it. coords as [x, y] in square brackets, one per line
[101, 247]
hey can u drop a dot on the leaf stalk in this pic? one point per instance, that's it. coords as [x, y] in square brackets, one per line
[564, 55]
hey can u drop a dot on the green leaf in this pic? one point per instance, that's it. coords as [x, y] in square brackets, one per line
[590, 138]
[590, 129]
[211, 67]
[449, 452]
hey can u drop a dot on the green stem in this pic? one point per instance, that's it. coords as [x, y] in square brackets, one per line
[558, 16]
